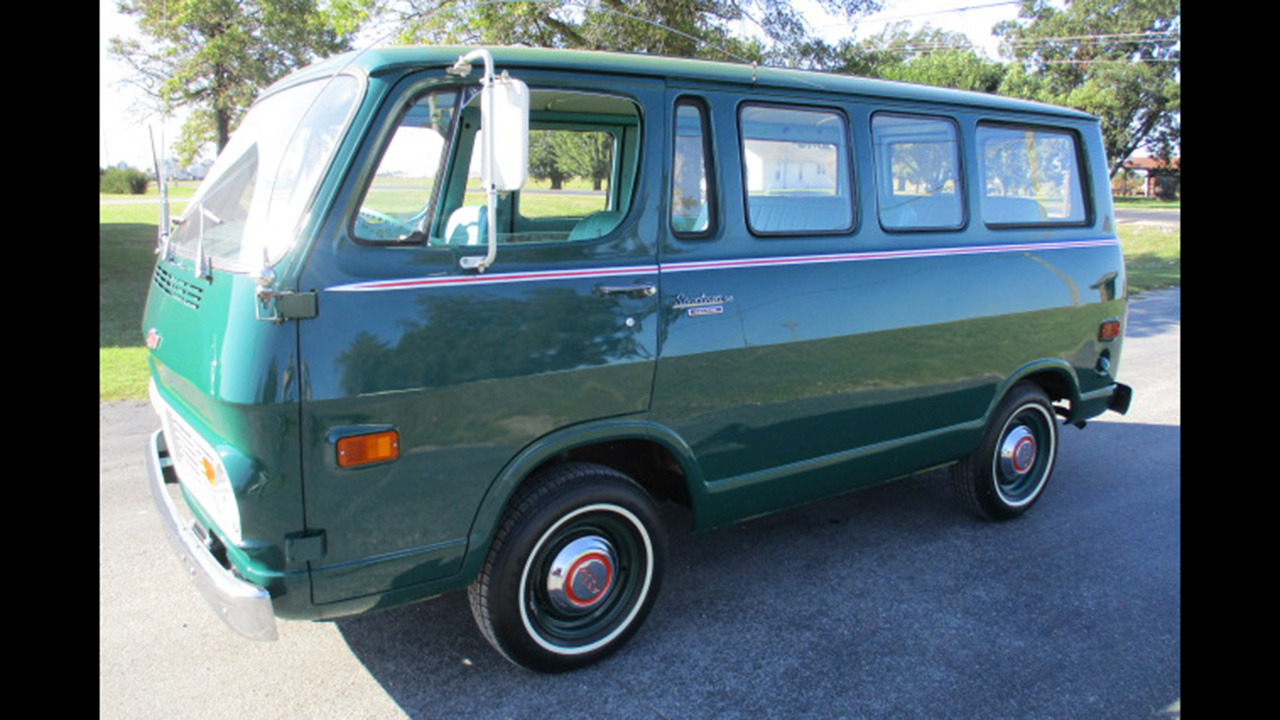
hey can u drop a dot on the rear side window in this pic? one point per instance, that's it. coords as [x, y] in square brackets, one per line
[917, 172]
[1029, 176]
[796, 165]
[692, 214]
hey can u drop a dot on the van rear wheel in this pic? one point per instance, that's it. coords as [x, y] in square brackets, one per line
[1008, 471]
[573, 571]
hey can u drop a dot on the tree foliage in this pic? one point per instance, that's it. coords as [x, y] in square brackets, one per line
[928, 56]
[544, 161]
[964, 69]
[214, 56]
[558, 155]
[716, 29]
[122, 181]
[588, 155]
[1119, 61]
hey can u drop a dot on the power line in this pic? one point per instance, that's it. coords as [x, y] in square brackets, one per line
[937, 12]
[1110, 60]
[1045, 42]
[1151, 36]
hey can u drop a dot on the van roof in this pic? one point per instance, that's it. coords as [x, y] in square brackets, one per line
[379, 60]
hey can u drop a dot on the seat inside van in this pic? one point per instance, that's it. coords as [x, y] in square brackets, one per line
[798, 214]
[997, 210]
[596, 225]
[468, 225]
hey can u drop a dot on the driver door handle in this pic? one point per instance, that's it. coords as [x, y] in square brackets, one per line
[638, 291]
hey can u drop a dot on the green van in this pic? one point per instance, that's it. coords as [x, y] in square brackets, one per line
[445, 318]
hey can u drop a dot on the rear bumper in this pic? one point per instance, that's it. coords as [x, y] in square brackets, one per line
[243, 606]
[1120, 398]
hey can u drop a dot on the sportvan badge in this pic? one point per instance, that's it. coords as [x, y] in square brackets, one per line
[702, 304]
[153, 339]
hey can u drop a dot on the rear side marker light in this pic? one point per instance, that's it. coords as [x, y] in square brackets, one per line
[1109, 330]
[365, 449]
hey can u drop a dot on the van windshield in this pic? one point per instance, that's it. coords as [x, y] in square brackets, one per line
[252, 203]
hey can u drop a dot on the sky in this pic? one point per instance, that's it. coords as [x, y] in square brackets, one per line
[125, 131]
[974, 18]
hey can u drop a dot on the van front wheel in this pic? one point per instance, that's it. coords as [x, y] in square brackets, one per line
[1007, 473]
[573, 570]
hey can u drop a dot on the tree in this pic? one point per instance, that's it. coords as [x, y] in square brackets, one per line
[952, 67]
[929, 56]
[213, 56]
[682, 28]
[544, 161]
[1118, 60]
[588, 155]
[557, 155]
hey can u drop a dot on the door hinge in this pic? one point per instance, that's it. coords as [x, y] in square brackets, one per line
[296, 305]
[305, 546]
[284, 305]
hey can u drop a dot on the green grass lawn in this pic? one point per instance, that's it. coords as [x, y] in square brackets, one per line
[177, 190]
[1141, 202]
[1152, 256]
[126, 254]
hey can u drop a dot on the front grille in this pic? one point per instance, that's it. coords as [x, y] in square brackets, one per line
[184, 448]
[185, 292]
[199, 470]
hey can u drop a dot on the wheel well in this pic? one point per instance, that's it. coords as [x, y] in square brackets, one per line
[650, 464]
[1056, 386]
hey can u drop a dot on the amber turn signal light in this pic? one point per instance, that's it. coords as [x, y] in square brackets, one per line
[1109, 330]
[365, 449]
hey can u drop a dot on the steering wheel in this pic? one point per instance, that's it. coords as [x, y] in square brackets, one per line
[378, 225]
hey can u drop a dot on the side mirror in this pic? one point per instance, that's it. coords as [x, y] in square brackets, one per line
[504, 158]
[504, 108]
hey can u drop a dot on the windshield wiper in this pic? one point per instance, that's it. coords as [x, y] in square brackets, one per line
[205, 211]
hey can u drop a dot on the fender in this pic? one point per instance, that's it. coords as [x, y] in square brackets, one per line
[1052, 366]
[546, 448]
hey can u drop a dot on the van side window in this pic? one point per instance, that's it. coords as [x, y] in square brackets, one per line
[1029, 176]
[796, 170]
[692, 213]
[918, 172]
[584, 152]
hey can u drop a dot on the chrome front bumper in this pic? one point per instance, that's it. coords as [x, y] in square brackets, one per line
[245, 607]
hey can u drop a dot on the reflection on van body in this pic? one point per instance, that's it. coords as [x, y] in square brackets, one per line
[738, 289]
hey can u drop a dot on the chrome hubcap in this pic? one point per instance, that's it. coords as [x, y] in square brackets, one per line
[581, 575]
[1018, 452]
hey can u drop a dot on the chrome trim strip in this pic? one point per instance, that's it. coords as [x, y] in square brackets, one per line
[881, 255]
[243, 606]
[694, 266]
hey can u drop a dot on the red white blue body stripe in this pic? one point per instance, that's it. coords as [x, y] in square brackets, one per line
[707, 265]
[493, 279]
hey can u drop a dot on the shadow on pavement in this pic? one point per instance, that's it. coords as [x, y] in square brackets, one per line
[892, 601]
[1154, 312]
